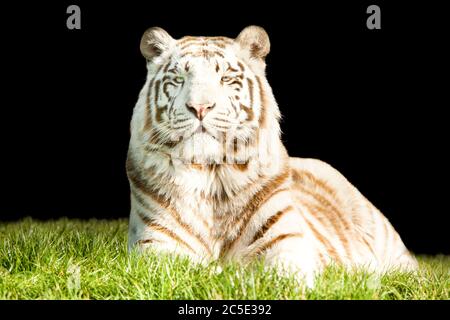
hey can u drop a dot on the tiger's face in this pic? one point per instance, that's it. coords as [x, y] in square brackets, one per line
[204, 93]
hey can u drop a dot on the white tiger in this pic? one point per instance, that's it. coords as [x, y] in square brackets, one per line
[211, 179]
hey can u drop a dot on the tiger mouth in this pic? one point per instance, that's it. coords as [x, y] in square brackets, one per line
[202, 129]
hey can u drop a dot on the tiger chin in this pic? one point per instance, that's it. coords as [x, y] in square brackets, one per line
[211, 180]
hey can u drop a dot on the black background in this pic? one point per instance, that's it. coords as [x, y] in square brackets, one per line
[369, 102]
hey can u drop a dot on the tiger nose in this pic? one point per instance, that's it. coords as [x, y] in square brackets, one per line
[200, 109]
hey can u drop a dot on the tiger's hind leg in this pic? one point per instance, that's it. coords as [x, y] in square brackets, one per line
[407, 262]
[391, 252]
[403, 261]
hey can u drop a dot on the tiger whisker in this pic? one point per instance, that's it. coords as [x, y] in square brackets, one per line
[182, 125]
[226, 120]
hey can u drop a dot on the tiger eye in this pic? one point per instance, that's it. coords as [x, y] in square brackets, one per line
[179, 79]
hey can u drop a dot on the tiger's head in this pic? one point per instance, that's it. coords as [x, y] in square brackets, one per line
[207, 98]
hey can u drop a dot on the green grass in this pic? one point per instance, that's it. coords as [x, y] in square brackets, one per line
[71, 259]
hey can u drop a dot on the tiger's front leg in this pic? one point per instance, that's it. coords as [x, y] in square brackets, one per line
[150, 236]
[293, 257]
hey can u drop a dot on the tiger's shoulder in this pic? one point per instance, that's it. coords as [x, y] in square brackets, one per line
[323, 182]
[309, 170]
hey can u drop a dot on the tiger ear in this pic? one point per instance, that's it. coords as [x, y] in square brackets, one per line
[256, 40]
[154, 42]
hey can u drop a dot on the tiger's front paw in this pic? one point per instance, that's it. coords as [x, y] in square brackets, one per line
[289, 265]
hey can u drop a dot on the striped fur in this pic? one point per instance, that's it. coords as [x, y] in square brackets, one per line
[223, 186]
